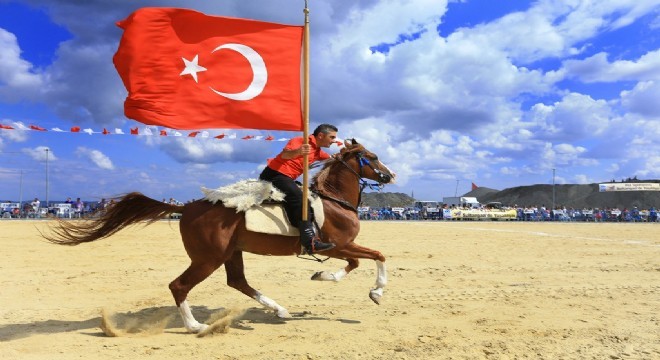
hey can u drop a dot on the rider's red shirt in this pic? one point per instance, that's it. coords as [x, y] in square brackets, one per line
[294, 167]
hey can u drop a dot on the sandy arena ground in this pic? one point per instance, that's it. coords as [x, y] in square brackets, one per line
[457, 290]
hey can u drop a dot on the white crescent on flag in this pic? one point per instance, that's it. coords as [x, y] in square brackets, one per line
[259, 77]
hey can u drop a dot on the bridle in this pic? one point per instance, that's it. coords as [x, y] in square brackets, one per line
[362, 162]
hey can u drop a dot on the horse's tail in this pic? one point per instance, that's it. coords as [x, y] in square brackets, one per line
[129, 209]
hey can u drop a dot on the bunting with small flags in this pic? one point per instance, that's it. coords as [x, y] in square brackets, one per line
[145, 131]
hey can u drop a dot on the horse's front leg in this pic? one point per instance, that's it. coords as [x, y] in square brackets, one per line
[352, 252]
[381, 280]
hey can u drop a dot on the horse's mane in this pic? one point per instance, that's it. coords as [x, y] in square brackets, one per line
[319, 180]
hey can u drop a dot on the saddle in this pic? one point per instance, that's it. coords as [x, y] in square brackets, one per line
[262, 204]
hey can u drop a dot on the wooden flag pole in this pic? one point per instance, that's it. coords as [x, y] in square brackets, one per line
[305, 215]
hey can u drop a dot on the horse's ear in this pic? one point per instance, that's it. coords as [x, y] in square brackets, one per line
[349, 143]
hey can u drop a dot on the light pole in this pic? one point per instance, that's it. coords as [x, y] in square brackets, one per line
[20, 197]
[47, 151]
[456, 191]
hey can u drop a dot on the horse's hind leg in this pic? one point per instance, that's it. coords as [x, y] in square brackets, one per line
[182, 285]
[236, 279]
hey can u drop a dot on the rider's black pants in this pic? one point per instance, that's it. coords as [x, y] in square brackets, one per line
[293, 195]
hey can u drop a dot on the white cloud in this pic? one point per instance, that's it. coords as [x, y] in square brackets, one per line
[40, 153]
[96, 157]
[437, 108]
[574, 118]
[17, 76]
[598, 69]
[14, 135]
[643, 99]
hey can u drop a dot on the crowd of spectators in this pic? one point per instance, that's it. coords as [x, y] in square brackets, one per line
[589, 214]
[80, 209]
[69, 208]
[529, 213]
[35, 209]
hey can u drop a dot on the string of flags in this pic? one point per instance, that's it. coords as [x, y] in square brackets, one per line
[146, 131]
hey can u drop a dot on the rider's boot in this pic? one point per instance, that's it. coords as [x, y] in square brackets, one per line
[310, 242]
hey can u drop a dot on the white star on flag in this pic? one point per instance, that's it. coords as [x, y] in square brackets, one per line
[192, 67]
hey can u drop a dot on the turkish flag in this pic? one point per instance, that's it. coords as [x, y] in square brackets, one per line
[75, 129]
[134, 131]
[37, 128]
[187, 70]
[6, 127]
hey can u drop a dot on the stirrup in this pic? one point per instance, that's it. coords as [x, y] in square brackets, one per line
[316, 247]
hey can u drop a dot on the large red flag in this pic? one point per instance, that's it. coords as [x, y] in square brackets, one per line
[187, 70]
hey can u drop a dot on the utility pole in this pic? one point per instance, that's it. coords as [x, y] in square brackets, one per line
[456, 191]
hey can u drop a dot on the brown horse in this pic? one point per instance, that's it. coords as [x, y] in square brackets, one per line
[214, 235]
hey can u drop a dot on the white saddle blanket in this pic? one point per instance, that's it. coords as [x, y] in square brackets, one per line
[248, 195]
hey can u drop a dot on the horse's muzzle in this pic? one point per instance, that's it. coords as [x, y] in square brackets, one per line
[385, 178]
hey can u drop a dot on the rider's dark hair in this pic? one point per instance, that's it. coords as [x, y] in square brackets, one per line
[325, 128]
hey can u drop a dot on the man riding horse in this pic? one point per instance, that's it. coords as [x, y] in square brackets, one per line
[286, 167]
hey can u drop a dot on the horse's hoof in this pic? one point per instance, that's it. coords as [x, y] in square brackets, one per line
[318, 275]
[283, 314]
[196, 329]
[324, 276]
[375, 297]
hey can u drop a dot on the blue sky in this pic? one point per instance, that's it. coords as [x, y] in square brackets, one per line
[447, 93]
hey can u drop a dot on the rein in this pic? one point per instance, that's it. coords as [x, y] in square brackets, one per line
[361, 182]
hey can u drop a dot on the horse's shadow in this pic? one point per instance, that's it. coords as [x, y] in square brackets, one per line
[167, 316]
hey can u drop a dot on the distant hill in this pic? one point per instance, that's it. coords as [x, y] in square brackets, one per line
[568, 195]
[385, 199]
